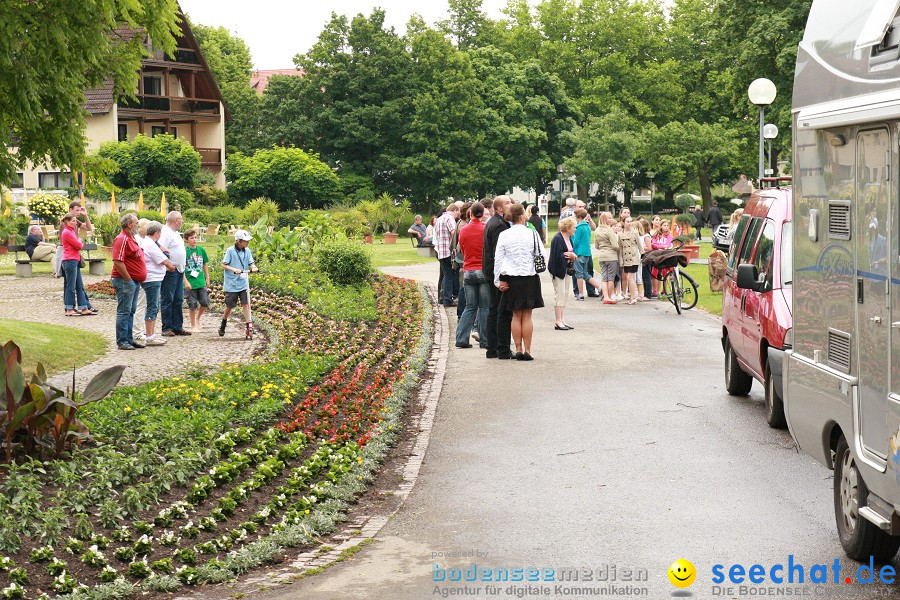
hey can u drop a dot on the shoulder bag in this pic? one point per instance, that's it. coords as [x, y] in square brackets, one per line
[540, 264]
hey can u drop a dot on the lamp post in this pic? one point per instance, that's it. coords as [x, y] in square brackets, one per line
[770, 132]
[762, 93]
[651, 175]
[560, 170]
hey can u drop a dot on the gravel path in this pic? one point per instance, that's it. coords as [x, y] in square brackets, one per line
[40, 299]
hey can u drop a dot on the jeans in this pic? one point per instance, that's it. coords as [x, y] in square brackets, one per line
[477, 291]
[126, 298]
[151, 291]
[172, 300]
[461, 295]
[448, 275]
[648, 282]
[498, 329]
[73, 286]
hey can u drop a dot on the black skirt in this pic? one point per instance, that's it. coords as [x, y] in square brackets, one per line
[524, 293]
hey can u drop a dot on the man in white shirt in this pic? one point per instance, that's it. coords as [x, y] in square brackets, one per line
[157, 266]
[173, 283]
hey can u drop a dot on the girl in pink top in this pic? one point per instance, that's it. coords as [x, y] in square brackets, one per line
[74, 296]
[660, 241]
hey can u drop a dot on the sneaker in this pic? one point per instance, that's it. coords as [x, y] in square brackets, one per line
[138, 344]
[222, 329]
[140, 338]
[168, 333]
[181, 332]
[154, 340]
[126, 347]
[475, 336]
[463, 345]
[490, 354]
[579, 297]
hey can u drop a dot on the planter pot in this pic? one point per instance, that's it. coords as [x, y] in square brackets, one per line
[370, 239]
[391, 238]
[692, 251]
[4, 250]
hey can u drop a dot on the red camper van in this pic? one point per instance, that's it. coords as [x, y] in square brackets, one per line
[756, 300]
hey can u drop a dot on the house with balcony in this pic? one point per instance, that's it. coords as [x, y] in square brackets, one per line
[175, 94]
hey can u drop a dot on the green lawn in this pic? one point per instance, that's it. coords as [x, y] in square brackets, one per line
[395, 255]
[52, 345]
[709, 301]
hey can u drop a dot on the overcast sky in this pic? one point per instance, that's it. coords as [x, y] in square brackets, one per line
[277, 30]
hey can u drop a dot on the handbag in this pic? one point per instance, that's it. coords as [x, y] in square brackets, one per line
[80, 261]
[540, 264]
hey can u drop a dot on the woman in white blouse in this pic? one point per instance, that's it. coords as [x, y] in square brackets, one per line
[515, 277]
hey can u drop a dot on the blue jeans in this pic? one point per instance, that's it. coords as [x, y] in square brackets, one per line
[447, 277]
[478, 300]
[461, 296]
[151, 289]
[74, 295]
[588, 288]
[126, 299]
[172, 299]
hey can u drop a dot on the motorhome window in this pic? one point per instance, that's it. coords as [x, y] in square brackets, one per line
[750, 240]
[736, 241]
[787, 254]
[764, 251]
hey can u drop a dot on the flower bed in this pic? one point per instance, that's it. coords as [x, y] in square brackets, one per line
[199, 479]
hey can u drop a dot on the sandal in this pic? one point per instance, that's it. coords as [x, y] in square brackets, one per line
[73, 314]
[631, 302]
[86, 312]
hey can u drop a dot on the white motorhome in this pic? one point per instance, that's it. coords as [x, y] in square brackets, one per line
[842, 376]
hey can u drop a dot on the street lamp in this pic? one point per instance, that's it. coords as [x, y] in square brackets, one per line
[651, 175]
[770, 132]
[762, 93]
[560, 170]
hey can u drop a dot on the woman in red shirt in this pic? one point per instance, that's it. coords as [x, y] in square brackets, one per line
[74, 296]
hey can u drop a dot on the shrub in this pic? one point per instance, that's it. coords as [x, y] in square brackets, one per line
[108, 226]
[49, 208]
[197, 215]
[684, 201]
[345, 263]
[157, 161]
[353, 222]
[227, 214]
[209, 195]
[289, 219]
[258, 208]
[289, 176]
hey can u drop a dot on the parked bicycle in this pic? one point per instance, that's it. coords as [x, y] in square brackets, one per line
[679, 287]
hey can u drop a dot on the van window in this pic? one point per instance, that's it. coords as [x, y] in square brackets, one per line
[787, 254]
[736, 241]
[764, 251]
[750, 240]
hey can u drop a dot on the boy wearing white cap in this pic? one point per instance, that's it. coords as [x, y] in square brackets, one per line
[237, 264]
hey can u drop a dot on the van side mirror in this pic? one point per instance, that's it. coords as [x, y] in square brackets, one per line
[748, 278]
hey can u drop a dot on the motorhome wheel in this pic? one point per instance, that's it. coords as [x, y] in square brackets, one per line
[774, 404]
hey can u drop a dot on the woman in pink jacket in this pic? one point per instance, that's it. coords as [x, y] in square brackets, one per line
[74, 295]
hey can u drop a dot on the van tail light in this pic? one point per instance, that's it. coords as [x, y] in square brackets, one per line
[789, 338]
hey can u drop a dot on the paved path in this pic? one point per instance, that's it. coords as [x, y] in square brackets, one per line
[40, 299]
[616, 447]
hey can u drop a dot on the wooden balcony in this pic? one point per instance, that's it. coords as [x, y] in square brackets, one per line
[210, 157]
[171, 104]
[183, 57]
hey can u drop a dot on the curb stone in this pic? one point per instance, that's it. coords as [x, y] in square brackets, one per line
[360, 530]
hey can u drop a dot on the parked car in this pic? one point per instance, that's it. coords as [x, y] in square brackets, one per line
[722, 237]
[756, 299]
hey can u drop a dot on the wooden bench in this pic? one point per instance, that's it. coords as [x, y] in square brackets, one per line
[23, 265]
[427, 250]
[96, 266]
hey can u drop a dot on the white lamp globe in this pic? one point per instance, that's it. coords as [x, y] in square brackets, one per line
[762, 92]
[770, 131]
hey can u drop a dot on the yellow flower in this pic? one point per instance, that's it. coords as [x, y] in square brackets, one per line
[127, 409]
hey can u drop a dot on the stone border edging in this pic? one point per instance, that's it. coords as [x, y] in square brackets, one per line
[365, 527]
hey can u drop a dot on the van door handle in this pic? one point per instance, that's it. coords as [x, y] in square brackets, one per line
[877, 320]
[895, 325]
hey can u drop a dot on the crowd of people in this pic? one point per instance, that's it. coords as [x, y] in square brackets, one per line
[492, 251]
[155, 269]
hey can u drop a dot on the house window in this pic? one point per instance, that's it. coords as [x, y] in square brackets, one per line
[18, 181]
[123, 132]
[173, 131]
[54, 180]
[157, 130]
[153, 86]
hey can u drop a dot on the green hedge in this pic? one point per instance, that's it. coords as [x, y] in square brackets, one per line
[289, 219]
[345, 263]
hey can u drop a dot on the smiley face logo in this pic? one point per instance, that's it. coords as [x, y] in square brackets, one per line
[682, 573]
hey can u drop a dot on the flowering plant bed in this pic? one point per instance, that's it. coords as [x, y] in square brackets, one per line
[196, 480]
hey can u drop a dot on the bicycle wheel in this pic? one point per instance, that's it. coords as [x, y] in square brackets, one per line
[690, 291]
[674, 290]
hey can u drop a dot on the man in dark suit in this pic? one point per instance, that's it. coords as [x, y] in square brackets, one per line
[499, 323]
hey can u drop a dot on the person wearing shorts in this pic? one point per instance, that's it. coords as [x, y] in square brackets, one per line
[607, 243]
[237, 264]
[581, 244]
[196, 276]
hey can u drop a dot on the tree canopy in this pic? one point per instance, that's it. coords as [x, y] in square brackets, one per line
[148, 162]
[51, 52]
[288, 176]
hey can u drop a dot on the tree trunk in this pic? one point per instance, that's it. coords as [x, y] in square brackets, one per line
[582, 192]
[628, 194]
[670, 196]
[705, 190]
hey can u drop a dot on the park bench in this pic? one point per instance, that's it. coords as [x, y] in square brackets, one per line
[96, 266]
[427, 250]
[23, 265]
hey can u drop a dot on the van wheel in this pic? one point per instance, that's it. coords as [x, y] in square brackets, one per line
[774, 404]
[737, 383]
[859, 537]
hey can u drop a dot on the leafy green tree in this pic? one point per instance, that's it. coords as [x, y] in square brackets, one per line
[706, 151]
[289, 120]
[148, 162]
[606, 151]
[468, 26]
[288, 176]
[229, 59]
[50, 53]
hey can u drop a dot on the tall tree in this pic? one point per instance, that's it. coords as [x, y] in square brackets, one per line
[51, 53]
[229, 59]
[468, 25]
